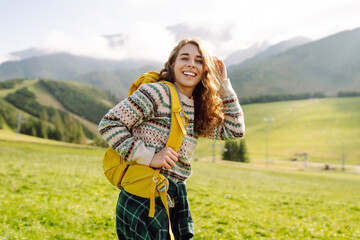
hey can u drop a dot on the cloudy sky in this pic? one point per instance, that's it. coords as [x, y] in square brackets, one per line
[149, 29]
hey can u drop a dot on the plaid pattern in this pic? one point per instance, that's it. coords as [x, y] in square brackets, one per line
[181, 221]
[133, 222]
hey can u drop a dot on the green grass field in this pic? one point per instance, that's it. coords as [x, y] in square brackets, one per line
[50, 191]
[323, 128]
[319, 127]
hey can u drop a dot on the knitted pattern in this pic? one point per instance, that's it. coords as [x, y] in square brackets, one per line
[139, 126]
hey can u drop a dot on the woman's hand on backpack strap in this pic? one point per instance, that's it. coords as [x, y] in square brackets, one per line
[166, 158]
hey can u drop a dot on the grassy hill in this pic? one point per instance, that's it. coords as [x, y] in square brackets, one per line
[59, 192]
[328, 65]
[117, 82]
[41, 99]
[323, 128]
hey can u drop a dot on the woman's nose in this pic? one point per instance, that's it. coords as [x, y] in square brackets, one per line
[191, 64]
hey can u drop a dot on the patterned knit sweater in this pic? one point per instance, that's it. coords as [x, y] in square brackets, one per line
[139, 126]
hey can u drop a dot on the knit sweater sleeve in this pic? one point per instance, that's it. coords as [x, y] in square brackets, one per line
[116, 126]
[233, 125]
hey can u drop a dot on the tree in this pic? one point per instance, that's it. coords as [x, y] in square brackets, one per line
[235, 151]
[80, 135]
[69, 129]
[33, 131]
[226, 153]
[242, 151]
[74, 132]
[230, 151]
[59, 127]
[43, 123]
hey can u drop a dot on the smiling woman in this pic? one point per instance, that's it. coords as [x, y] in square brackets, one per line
[138, 129]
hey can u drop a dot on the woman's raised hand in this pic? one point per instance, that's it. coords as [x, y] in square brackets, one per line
[166, 158]
[220, 68]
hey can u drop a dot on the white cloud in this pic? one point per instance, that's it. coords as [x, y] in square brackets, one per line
[278, 20]
[8, 57]
[146, 41]
[86, 43]
[149, 41]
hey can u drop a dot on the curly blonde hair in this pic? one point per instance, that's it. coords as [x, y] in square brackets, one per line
[206, 95]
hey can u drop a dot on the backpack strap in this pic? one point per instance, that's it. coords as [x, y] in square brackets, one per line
[149, 77]
[179, 120]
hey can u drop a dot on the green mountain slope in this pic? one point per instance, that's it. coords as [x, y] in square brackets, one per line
[328, 65]
[48, 101]
[276, 50]
[117, 82]
[320, 127]
[83, 100]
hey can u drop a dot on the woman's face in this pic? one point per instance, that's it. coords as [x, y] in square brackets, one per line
[188, 69]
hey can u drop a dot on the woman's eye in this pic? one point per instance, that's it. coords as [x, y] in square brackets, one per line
[199, 61]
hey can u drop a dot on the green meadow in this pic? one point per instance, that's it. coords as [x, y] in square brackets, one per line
[319, 127]
[50, 191]
[322, 128]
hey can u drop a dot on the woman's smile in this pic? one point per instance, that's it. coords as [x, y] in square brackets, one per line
[192, 74]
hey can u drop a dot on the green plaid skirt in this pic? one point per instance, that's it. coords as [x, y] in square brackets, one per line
[133, 221]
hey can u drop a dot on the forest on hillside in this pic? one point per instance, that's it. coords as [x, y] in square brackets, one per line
[48, 122]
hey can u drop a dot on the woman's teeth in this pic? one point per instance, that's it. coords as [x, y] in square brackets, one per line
[190, 74]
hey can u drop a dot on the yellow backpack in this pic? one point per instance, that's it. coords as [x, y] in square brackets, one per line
[139, 179]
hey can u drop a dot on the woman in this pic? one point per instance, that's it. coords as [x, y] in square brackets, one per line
[138, 128]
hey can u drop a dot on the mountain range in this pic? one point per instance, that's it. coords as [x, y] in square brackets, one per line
[298, 65]
[327, 65]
